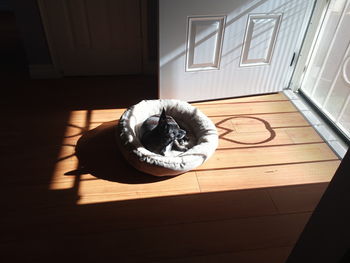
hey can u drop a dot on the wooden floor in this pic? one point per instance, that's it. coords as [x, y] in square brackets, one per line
[247, 203]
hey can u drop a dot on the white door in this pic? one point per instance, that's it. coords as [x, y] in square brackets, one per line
[327, 78]
[94, 37]
[226, 48]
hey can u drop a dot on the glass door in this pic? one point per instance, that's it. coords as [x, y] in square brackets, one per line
[327, 78]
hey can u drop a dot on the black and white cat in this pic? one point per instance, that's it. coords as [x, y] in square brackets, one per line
[161, 134]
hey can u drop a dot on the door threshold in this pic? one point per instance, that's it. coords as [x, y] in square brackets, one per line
[324, 129]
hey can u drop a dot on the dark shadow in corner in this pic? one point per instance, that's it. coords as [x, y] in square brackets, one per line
[99, 156]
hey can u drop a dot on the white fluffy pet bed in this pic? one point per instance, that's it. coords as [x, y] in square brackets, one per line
[202, 133]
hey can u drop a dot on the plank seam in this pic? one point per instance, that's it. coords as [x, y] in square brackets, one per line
[211, 220]
[222, 253]
[251, 114]
[288, 127]
[239, 102]
[270, 146]
[198, 184]
[272, 201]
[263, 165]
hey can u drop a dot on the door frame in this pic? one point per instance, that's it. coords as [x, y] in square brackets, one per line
[308, 43]
[56, 65]
[308, 49]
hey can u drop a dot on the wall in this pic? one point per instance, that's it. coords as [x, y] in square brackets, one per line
[5, 5]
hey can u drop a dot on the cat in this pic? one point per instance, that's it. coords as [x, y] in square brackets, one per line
[161, 134]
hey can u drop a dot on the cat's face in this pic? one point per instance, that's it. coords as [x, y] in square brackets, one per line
[160, 132]
[169, 128]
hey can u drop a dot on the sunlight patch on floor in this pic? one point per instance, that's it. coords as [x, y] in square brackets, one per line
[66, 160]
[260, 146]
[94, 190]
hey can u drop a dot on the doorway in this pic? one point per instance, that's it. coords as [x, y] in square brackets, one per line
[326, 83]
[101, 38]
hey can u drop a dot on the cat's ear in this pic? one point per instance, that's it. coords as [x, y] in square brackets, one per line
[163, 115]
[162, 119]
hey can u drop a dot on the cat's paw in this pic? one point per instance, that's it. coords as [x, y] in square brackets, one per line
[180, 145]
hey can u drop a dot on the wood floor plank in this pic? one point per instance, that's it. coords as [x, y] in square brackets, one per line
[94, 190]
[144, 213]
[195, 239]
[179, 209]
[84, 240]
[61, 181]
[253, 138]
[246, 157]
[291, 119]
[246, 123]
[270, 255]
[90, 119]
[78, 118]
[247, 108]
[267, 176]
[299, 198]
[105, 115]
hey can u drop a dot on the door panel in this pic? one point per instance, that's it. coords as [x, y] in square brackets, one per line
[260, 39]
[95, 37]
[227, 48]
[204, 42]
[326, 81]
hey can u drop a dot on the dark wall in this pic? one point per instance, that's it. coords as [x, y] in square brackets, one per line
[5, 5]
[31, 30]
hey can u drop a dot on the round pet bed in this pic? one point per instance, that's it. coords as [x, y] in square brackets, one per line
[202, 133]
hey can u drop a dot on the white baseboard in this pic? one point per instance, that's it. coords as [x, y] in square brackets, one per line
[44, 71]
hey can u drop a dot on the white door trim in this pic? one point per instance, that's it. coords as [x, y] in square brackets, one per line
[56, 66]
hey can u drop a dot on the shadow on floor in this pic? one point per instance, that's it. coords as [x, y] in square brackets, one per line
[99, 156]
